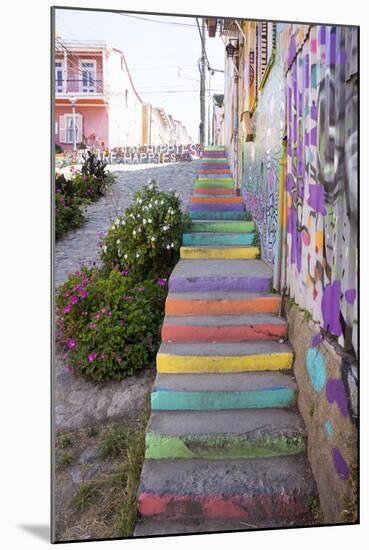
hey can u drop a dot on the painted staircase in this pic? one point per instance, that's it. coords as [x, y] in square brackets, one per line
[225, 447]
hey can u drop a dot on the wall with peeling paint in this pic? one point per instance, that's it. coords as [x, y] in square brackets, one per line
[321, 177]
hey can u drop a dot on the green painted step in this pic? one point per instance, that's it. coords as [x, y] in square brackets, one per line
[214, 184]
[223, 226]
[224, 434]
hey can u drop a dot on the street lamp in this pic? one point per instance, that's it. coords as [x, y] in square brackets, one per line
[230, 49]
[73, 102]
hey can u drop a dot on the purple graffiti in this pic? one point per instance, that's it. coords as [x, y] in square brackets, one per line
[335, 392]
[315, 341]
[350, 295]
[316, 198]
[340, 464]
[331, 308]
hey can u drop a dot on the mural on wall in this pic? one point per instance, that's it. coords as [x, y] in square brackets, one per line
[262, 162]
[321, 179]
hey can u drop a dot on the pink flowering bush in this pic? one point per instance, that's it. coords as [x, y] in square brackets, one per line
[147, 237]
[110, 325]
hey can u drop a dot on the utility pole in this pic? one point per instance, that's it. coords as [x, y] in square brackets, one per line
[202, 84]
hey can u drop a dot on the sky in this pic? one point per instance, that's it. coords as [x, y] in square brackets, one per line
[162, 53]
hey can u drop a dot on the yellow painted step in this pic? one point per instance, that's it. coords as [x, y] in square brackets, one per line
[167, 363]
[219, 253]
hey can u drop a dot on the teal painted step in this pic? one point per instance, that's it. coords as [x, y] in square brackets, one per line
[208, 215]
[251, 390]
[217, 239]
[164, 400]
[223, 227]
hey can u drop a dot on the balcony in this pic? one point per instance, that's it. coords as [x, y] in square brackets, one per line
[79, 88]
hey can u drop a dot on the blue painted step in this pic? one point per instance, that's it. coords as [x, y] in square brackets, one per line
[194, 239]
[208, 215]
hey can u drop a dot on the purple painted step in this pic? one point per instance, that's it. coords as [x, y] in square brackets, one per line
[223, 275]
[218, 207]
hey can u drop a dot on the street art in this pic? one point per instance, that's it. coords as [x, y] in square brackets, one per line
[321, 180]
[262, 162]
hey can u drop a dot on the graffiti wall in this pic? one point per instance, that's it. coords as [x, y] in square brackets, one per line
[262, 157]
[321, 176]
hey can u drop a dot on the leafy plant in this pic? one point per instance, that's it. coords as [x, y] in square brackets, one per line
[65, 441]
[93, 166]
[58, 149]
[110, 324]
[147, 238]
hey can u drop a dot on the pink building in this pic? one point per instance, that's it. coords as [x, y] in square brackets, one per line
[95, 98]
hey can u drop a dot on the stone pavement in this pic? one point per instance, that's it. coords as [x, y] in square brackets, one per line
[79, 402]
[81, 245]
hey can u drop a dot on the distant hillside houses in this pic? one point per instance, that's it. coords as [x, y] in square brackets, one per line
[98, 106]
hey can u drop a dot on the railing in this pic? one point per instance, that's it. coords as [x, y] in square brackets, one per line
[76, 86]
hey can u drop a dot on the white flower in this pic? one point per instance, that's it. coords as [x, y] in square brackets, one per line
[153, 239]
[165, 228]
[176, 194]
[156, 202]
[139, 215]
[168, 247]
[172, 245]
[144, 221]
[137, 255]
[161, 202]
[119, 253]
[113, 227]
[123, 222]
[118, 241]
[150, 205]
[149, 220]
[134, 232]
[139, 201]
[117, 221]
[105, 249]
[125, 256]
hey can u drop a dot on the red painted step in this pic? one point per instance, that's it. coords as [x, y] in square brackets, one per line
[226, 328]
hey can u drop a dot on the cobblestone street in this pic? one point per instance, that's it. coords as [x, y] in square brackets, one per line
[81, 245]
[78, 401]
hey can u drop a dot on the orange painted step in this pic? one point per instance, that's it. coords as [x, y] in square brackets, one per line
[216, 200]
[229, 303]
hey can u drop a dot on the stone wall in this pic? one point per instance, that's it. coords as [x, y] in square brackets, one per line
[327, 383]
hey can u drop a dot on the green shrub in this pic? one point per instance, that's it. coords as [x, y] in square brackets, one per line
[58, 149]
[69, 213]
[110, 324]
[147, 237]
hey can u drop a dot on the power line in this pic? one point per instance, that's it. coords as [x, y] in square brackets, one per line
[157, 21]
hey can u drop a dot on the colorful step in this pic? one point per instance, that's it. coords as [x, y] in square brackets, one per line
[215, 179]
[214, 192]
[223, 227]
[224, 357]
[220, 391]
[225, 208]
[222, 328]
[220, 239]
[252, 489]
[217, 214]
[219, 252]
[224, 434]
[217, 200]
[215, 171]
[221, 275]
[210, 183]
[215, 303]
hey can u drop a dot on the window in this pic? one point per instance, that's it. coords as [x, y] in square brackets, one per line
[68, 130]
[88, 76]
[59, 76]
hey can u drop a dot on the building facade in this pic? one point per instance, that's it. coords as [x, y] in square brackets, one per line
[96, 102]
[291, 134]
